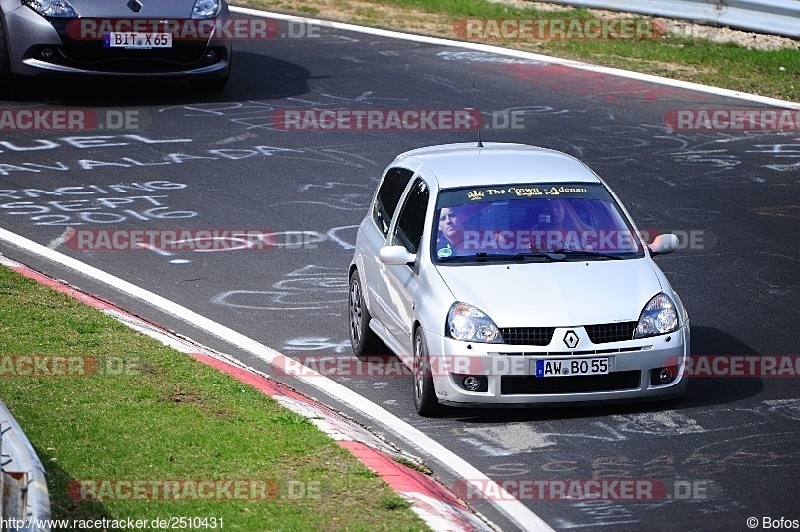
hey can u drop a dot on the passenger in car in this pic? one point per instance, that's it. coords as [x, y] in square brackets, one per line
[558, 226]
[560, 214]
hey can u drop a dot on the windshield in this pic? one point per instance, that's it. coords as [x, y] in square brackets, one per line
[578, 221]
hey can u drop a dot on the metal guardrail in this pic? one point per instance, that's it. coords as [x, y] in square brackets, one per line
[776, 17]
[23, 487]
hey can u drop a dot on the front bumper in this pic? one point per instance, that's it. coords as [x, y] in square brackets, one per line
[510, 378]
[38, 47]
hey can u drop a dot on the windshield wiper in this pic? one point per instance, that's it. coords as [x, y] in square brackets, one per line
[577, 252]
[552, 256]
[557, 255]
[520, 257]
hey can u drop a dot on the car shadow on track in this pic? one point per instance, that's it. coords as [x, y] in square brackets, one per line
[253, 77]
[701, 391]
[69, 498]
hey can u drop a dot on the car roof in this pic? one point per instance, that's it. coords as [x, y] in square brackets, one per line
[496, 163]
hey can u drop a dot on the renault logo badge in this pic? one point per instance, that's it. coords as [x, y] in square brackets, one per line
[571, 339]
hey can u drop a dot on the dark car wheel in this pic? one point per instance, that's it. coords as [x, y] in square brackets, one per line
[9, 83]
[425, 401]
[210, 85]
[213, 85]
[364, 341]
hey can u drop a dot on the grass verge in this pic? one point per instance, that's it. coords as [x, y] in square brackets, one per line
[774, 73]
[135, 410]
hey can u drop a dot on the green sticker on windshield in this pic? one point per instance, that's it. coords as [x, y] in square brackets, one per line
[444, 253]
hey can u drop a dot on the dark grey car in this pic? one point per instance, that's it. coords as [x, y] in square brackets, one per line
[114, 38]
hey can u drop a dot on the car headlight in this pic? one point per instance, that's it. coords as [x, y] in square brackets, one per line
[659, 316]
[467, 323]
[684, 314]
[52, 8]
[205, 8]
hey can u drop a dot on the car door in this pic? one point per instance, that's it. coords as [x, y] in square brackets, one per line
[375, 235]
[402, 282]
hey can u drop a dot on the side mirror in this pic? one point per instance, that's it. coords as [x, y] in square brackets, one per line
[396, 256]
[663, 244]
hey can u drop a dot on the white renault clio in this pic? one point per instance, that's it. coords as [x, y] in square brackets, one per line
[508, 275]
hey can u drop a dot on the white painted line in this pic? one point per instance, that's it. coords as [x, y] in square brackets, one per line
[154, 249]
[502, 500]
[525, 55]
[56, 242]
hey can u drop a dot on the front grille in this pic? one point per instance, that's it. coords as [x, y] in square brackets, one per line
[611, 332]
[527, 335]
[97, 53]
[574, 353]
[179, 57]
[620, 380]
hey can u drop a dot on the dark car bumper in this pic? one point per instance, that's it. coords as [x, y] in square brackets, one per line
[41, 47]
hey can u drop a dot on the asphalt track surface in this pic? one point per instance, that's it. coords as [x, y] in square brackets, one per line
[730, 450]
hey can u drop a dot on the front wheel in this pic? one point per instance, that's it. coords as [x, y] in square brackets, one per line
[9, 83]
[210, 85]
[425, 401]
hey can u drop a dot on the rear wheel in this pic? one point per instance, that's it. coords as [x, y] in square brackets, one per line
[364, 341]
[425, 401]
[9, 83]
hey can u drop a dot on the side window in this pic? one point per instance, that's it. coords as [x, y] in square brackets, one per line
[411, 222]
[394, 183]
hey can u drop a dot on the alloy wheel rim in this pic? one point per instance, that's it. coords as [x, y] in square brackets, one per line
[355, 314]
[417, 368]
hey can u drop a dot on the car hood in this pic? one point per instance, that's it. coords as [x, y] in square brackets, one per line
[120, 9]
[556, 294]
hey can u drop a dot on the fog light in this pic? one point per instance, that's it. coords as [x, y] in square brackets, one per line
[473, 383]
[663, 375]
[46, 53]
[211, 54]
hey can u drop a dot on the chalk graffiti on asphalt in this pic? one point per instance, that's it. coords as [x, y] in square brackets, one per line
[100, 144]
[308, 288]
[98, 204]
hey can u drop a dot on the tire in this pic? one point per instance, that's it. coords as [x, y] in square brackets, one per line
[9, 83]
[210, 85]
[425, 402]
[675, 401]
[214, 85]
[363, 340]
